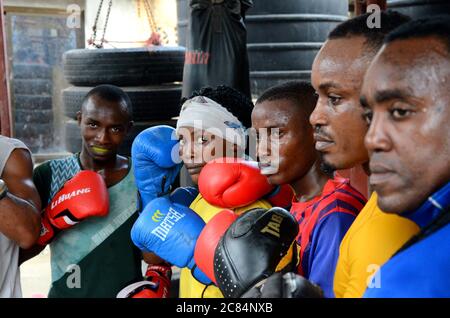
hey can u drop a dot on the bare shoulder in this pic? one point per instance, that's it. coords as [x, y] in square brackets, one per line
[19, 165]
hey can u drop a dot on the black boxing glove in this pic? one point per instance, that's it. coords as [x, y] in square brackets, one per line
[289, 285]
[251, 249]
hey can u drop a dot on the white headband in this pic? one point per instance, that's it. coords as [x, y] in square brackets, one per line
[203, 113]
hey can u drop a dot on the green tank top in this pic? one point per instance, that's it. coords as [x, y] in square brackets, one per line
[95, 258]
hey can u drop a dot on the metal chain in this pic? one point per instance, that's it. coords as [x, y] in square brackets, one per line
[150, 17]
[106, 23]
[94, 28]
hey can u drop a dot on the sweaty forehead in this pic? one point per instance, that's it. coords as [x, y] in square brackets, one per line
[98, 107]
[275, 113]
[342, 59]
[418, 66]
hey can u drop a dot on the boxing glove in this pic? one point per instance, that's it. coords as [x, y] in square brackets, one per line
[209, 239]
[289, 285]
[82, 197]
[169, 230]
[251, 249]
[281, 196]
[156, 284]
[156, 162]
[184, 195]
[231, 183]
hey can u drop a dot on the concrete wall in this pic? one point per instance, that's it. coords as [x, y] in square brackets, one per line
[127, 28]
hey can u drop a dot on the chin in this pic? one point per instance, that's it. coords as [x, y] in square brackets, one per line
[394, 204]
[194, 178]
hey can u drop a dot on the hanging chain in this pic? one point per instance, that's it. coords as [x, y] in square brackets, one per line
[151, 20]
[92, 40]
[106, 22]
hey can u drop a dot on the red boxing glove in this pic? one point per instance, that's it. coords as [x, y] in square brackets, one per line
[281, 196]
[156, 284]
[231, 183]
[83, 196]
[209, 239]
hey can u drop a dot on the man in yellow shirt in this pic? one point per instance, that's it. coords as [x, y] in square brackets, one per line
[337, 76]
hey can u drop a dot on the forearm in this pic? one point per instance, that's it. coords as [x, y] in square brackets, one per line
[19, 221]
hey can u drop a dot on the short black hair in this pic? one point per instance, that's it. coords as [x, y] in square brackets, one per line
[300, 92]
[111, 93]
[234, 101]
[357, 26]
[435, 26]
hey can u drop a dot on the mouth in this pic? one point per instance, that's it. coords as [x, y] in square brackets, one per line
[100, 150]
[266, 168]
[194, 169]
[380, 174]
[322, 142]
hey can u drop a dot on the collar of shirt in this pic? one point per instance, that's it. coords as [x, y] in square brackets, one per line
[431, 208]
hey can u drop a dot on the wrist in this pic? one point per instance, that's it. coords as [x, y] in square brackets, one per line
[3, 189]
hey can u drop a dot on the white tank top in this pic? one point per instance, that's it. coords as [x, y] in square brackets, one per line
[9, 251]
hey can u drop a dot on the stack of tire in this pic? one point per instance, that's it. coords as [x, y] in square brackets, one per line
[420, 8]
[150, 76]
[33, 115]
[283, 37]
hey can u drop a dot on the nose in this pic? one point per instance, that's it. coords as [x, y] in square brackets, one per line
[186, 150]
[102, 136]
[319, 116]
[377, 138]
[263, 148]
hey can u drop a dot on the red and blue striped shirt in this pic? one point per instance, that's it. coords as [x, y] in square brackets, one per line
[323, 223]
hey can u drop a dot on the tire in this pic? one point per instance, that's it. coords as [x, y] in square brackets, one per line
[73, 136]
[149, 102]
[32, 102]
[288, 28]
[285, 36]
[38, 143]
[33, 86]
[124, 67]
[33, 130]
[419, 8]
[39, 116]
[27, 71]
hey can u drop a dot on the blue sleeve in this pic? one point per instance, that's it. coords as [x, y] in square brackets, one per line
[324, 251]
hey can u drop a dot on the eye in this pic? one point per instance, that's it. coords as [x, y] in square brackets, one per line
[92, 125]
[333, 100]
[182, 141]
[399, 113]
[367, 116]
[201, 140]
[116, 130]
[276, 133]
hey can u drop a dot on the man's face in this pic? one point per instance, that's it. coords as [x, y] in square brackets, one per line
[339, 128]
[285, 143]
[406, 95]
[104, 125]
[198, 147]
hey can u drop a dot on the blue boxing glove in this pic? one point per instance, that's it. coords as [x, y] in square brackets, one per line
[169, 230]
[184, 195]
[156, 162]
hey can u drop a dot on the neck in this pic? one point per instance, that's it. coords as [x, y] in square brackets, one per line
[89, 163]
[366, 168]
[311, 184]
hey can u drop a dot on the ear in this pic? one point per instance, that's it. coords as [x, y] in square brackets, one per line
[130, 125]
[78, 117]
